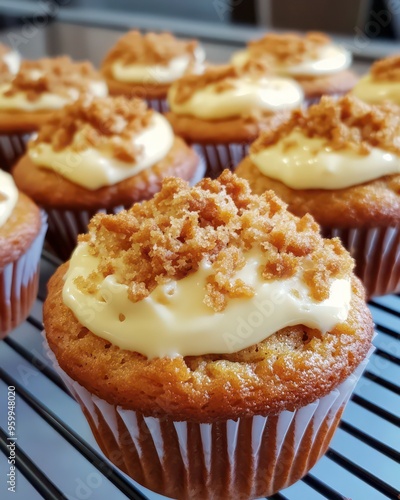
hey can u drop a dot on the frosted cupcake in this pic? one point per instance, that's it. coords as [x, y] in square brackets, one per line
[145, 65]
[211, 352]
[318, 64]
[223, 110]
[99, 154]
[382, 83]
[38, 89]
[340, 162]
[22, 230]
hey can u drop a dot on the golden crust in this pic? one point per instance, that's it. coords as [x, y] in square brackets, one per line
[374, 203]
[288, 370]
[143, 91]
[14, 122]
[19, 231]
[51, 190]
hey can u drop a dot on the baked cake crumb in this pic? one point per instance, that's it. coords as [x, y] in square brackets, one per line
[219, 221]
[346, 123]
[387, 69]
[106, 123]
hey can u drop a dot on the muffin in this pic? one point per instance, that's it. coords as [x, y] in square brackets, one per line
[99, 154]
[211, 350]
[39, 88]
[320, 66]
[382, 83]
[10, 61]
[340, 162]
[223, 110]
[145, 65]
[22, 230]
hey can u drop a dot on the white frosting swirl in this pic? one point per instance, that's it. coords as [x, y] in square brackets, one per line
[13, 61]
[94, 169]
[46, 100]
[8, 196]
[157, 73]
[247, 94]
[328, 60]
[174, 320]
[376, 91]
[302, 162]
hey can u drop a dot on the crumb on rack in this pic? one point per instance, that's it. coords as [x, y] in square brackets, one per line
[104, 123]
[346, 123]
[387, 69]
[217, 221]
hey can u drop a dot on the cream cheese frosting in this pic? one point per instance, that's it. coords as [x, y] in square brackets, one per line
[158, 73]
[174, 320]
[328, 60]
[247, 94]
[13, 61]
[376, 91]
[302, 162]
[8, 196]
[93, 169]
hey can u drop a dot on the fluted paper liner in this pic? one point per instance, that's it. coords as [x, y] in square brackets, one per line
[19, 284]
[248, 458]
[12, 147]
[376, 252]
[218, 157]
[159, 105]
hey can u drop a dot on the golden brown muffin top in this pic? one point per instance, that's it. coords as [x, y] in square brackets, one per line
[150, 48]
[219, 221]
[288, 48]
[387, 69]
[105, 123]
[346, 123]
[56, 75]
[219, 76]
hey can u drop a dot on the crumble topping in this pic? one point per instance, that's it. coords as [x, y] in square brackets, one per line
[222, 77]
[168, 237]
[288, 48]
[55, 75]
[150, 48]
[387, 69]
[346, 123]
[106, 123]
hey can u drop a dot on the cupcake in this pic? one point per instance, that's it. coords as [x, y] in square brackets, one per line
[382, 83]
[10, 61]
[319, 65]
[39, 88]
[22, 230]
[99, 154]
[145, 65]
[210, 349]
[223, 110]
[340, 162]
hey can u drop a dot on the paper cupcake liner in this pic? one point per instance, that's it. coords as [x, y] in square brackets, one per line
[376, 252]
[19, 284]
[12, 147]
[248, 458]
[218, 157]
[160, 105]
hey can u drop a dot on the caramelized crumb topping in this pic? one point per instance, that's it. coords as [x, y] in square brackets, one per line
[149, 48]
[222, 77]
[218, 221]
[56, 75]
[106, 123]
[288, 48]
[387, 69]
[346, 123]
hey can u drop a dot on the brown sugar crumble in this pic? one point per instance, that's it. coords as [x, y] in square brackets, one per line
[387, 69]
[346, 123]
[105, 123]
[288, 48]
[219, 221]
[56, 75]
[150, 48]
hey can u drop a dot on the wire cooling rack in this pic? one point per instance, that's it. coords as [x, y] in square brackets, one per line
[57, 456]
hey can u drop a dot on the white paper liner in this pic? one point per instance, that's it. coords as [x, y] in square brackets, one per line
[248, 458]
[377, 255]
[19, 282]
[12, 147]
[159, 105]
[218, 157]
